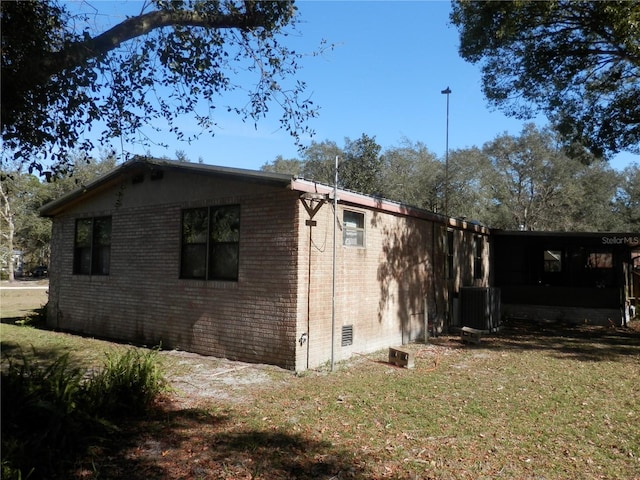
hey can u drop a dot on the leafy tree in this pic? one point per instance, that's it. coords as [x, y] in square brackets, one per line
[361, 168]
[22, 229]
[577, 61]
[592, 209]
[470, 171]
[7, 222]
[413, 175]
[319, 161]
[59, 80]
[85, 170]
[291, 166]
[535, 186]
[21, 196]
[627, 203]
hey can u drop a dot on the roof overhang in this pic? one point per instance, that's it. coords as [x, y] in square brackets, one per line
[305, 187]
[138, 164]
[384, 205]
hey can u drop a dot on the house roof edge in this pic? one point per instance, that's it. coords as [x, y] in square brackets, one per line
[385, 205]
[139, 162]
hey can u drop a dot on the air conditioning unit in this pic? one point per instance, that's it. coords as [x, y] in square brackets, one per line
[480, 308]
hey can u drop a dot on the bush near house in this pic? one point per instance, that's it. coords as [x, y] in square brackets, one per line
[52, 411]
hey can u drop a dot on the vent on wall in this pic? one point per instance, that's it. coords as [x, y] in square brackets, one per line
[347, 335]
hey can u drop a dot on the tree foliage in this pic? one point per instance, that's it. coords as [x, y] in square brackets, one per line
[21, 196]
[627, 204]
[319, 161]
[413, 175]
[579, 62]
[291, 166]
[523, 181]
[535, 186]
[470, 175]
[361, 166]
[175, 58]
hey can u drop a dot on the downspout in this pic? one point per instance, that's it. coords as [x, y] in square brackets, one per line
[333, 283]
[433, 277]
[309, 293]
[426, 319]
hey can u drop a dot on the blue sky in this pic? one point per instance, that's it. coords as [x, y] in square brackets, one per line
[384, 78]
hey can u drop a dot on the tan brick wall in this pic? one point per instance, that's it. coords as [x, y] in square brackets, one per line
[380, 289]
[144, 300]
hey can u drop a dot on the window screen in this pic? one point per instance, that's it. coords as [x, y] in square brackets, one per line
[353, 229]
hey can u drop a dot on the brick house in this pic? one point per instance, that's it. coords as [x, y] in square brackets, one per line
[240, 264]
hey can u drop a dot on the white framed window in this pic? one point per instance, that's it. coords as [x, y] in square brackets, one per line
[352, 228]
[553, 261]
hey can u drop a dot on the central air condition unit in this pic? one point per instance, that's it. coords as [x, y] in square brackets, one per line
[480, 308]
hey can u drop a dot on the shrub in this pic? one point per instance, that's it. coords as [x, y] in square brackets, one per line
[52, 413]
[128, 384]
[39, 415]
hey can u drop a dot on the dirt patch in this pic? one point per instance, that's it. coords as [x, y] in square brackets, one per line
[195, 379]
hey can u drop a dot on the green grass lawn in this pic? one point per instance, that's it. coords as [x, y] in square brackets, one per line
[527, 403]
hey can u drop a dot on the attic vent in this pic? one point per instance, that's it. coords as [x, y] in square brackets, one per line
[138, 178]
[347, 335]
[156, 174]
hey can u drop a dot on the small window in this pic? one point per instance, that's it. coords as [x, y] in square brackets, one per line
[210, 243]
[477, 257]
[600, 260]
[92, 249]
[552, 261]
[353, 229]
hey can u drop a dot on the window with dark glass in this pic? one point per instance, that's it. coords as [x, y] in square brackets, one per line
[92, 246]
[599, 269]
[600, 260]
[210, 243]
[552, 261]
[477, 257]
[353, 229]
[449, 247]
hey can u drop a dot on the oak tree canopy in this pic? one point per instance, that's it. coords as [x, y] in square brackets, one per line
[576, 61]
[175, 58]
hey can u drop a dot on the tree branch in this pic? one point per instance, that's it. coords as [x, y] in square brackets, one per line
[79, 53]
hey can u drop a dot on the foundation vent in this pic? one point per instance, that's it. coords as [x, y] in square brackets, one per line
[347, 335]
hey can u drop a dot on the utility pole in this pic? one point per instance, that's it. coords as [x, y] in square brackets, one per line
[446, 92]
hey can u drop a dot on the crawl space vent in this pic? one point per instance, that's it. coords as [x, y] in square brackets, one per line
[347, 335]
